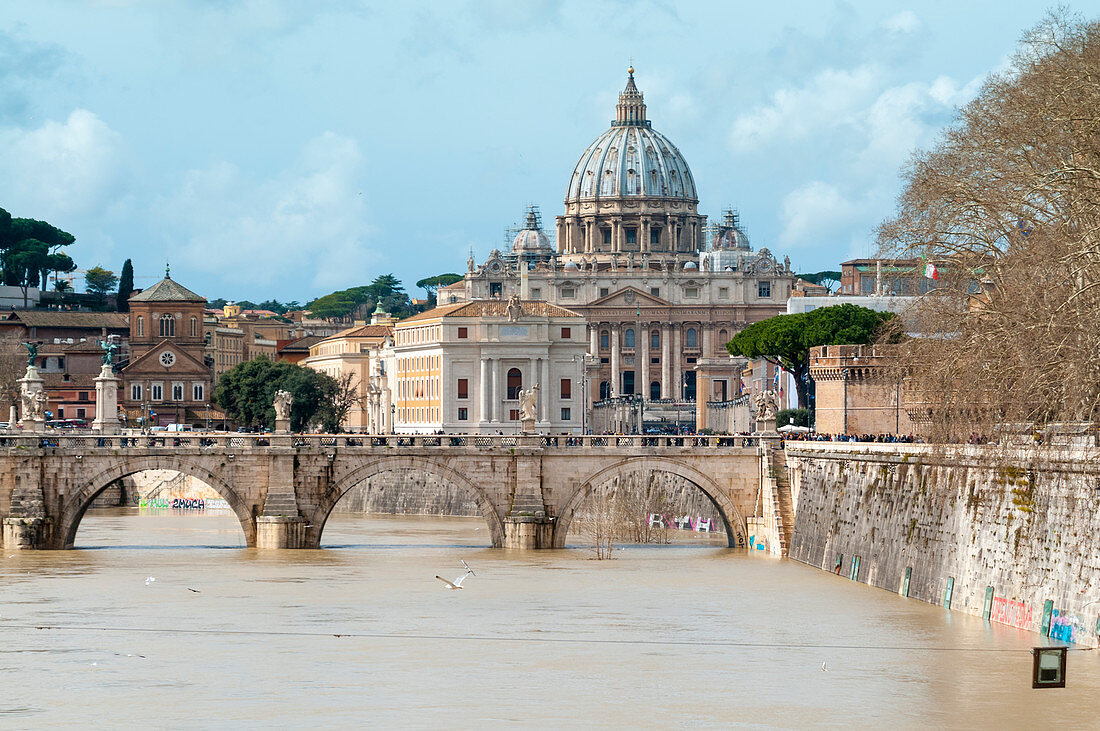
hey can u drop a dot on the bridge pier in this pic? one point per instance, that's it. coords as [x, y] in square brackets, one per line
[528, 532]
[24, 534]
[281, 531]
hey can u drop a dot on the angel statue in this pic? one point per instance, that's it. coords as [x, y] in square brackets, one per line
[283, 401]
[110, 348]
[32, 352]
[527, 401]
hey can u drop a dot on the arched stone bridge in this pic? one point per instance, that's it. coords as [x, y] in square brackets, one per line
[283, 487]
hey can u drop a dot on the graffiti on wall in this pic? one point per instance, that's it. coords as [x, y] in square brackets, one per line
[1066, 627]
[1014, 614]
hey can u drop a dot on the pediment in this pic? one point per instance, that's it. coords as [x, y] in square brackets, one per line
[629, 297]
[150, 361]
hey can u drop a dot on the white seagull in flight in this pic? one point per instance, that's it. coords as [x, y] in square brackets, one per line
[457, 583]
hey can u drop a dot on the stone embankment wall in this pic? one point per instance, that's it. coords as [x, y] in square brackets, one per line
[1009, 534]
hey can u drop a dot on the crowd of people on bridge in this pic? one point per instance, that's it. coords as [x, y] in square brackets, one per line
[878, 438]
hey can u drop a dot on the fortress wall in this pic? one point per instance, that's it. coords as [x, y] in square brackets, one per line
[960, 519]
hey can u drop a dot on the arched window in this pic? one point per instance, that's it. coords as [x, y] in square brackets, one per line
[605, 390]
[655, 390]
[140, 326]
[723, 337]
[515, 383]
[692, 338]
[628, 338]
[194, 327]
[167, 326]
[655, 340]
[605, 340]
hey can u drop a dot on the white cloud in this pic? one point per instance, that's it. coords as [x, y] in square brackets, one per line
[304, 227]
[831, 99]
[904, 22]
[61, 169]
[814, 214]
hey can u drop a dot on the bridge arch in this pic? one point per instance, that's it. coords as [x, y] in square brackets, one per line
[77, 504]
[732, 520]
[344, 483]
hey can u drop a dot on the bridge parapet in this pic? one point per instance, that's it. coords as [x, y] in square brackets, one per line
[93, 442]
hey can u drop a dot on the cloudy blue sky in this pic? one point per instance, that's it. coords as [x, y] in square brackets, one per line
[283, 148]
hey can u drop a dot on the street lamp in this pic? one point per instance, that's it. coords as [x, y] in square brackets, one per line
[207, 406]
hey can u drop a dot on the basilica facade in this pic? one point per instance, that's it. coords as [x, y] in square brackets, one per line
[661, 291]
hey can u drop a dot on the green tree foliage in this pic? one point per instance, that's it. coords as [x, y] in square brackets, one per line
[100, 281]
[386, 290]
[431, 285]
[798, 417]
[829, 278]
[247, 391]
[785, 340]
[29, 251]
[125, 286]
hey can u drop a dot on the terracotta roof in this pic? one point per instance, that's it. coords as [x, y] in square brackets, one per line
[301, 345]
[47, 318]
[167, 290]
[362, 331]
[492, 308]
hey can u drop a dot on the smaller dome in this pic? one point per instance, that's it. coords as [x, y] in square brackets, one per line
[730, 236]
[531, 240]
[690, 265]
[572, 266]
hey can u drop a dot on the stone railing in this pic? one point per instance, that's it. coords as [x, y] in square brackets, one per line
[366, 442]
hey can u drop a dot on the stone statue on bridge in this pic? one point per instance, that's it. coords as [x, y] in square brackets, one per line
[767, 407]
[527, 403]
[283, 401]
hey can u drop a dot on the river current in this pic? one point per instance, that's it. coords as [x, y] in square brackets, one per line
[361, 632]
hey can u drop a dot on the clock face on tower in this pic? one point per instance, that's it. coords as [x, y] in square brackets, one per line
[167, 358]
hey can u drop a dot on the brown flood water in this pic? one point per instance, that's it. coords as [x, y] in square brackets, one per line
[661, 636]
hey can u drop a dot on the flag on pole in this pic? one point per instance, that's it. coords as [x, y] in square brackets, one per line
[930, 271]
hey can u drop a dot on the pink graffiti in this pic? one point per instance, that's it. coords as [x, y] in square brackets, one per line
[1014, 614]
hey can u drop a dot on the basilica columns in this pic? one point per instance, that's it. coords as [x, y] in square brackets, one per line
[677, 363]
[494, 403]
[643, 354]
[666, 360]
[615, 364]
[544, 390]
[483, 390]
[708, 332]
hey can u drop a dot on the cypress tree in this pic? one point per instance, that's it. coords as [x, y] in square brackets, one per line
[125, 286]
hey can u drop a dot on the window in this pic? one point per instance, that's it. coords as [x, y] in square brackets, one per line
[567, 388]
[463, 414]
[654, 235]
[655, 340]
[515, 383]
[655, 291]
[80, 413]
[655, 360]
[198, 391]
[177, 392]
[604, 291]
[628, 383]
[82, 396]
[495, 289]
[628, 338]
[605, 340]
[632, 236]
[605, 390]
[566, 414]
[135, 392]
[536, 293]
[692, 339]
[463, 388]
[607, 236]
[156, 391]
[723, 293]
[723, 337]
[568, 293]
[655, 390]
[140, 326]
[194, 327]
[60, 412]
[867, 285]
[566, 333]
[764, 289]
[513, 414]
[167, 326]
[691, 292]
[61, 364]
[463, 333]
